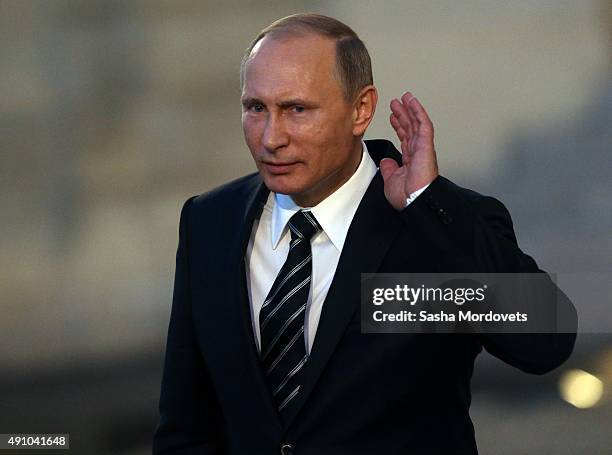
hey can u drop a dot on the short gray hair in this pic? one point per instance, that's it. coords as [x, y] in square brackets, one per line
[353, 64]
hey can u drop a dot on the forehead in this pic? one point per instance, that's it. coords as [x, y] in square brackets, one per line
[304, 63]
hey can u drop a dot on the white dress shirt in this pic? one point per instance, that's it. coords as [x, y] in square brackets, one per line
[269, 243]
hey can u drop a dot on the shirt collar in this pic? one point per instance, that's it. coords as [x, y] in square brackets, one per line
[335, 212]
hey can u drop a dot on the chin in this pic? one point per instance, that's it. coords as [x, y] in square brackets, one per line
[283, 184]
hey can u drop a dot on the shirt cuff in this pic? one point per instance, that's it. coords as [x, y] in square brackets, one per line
[416, 194]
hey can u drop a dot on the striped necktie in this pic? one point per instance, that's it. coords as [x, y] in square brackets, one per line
[281, 320]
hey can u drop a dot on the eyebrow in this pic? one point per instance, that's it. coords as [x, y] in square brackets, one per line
[283, 104]
[248, 101]
[293, 102]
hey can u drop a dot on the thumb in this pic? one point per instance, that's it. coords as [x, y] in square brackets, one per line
[387, 167]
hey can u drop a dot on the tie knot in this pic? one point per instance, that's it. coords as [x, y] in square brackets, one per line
[303, 224]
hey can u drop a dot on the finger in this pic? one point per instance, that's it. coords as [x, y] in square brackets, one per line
[401, 113]
[398, 108]
[414, 123]
[405, 141]
[387, 167]
[401, 133]
[407, 150]
[406, 100]
[416, 109]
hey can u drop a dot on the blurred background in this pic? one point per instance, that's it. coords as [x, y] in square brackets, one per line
[112, 113]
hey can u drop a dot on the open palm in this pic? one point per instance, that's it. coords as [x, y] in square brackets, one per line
[419, 166]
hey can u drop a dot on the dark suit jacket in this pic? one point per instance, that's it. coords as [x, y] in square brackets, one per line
[361, 393]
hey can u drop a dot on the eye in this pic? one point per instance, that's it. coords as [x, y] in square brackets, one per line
[255, 107]
[298, 108]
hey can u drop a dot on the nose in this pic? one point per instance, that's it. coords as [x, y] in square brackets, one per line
[275, 133]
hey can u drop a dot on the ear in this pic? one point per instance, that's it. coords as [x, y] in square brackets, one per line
[363, 109]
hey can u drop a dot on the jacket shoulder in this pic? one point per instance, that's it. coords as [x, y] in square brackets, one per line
[233, 193]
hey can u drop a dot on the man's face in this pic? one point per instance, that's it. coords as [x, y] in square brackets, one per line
[296, 121]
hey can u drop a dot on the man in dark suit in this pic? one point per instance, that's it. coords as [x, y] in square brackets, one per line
[265, 353]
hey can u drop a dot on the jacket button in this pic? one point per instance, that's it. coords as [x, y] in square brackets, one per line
[286, 449]
[444, 216]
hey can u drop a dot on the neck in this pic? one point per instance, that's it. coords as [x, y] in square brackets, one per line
[334, 181]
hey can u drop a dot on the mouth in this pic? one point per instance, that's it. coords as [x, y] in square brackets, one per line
[279, 168]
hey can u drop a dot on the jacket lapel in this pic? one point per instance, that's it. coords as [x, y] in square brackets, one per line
[258, 194]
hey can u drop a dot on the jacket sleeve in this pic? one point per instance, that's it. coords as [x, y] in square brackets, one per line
[190, 418]
[475, 233]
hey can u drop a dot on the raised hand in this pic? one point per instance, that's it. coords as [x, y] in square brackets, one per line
[419, 166]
